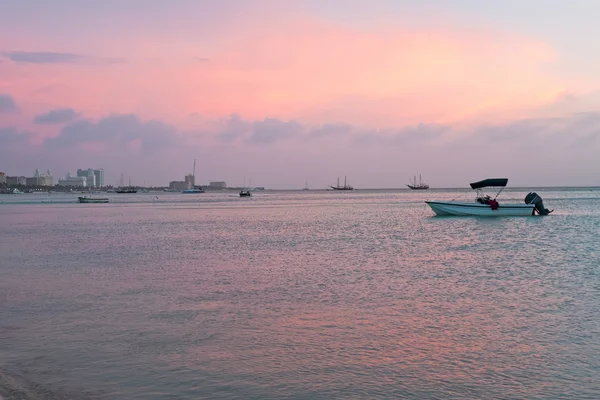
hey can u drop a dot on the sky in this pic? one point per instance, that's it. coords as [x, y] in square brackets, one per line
[284, 92]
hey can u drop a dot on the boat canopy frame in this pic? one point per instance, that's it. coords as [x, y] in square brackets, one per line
[490, 182]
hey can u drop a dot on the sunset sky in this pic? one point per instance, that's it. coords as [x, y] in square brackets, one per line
[284, 92]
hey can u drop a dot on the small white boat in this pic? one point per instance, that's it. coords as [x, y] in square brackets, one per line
[485, 206]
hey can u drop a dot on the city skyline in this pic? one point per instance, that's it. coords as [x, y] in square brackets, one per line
[303, 91]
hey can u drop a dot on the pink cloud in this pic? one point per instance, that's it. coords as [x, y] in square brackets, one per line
[303, 68]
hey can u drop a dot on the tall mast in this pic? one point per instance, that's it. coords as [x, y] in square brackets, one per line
[194, 174]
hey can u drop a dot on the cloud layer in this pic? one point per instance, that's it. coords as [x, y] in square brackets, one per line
[115, 130]
[48, 57]
[295, 91]
[57, 116]
[542, 151]
[7, 103]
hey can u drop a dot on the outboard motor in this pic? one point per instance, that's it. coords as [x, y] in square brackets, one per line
[536, 200]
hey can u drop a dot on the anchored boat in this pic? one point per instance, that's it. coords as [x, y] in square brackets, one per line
[345, 187]
[126, 190]
[486, 206]
[93, 199]
[414, 185]
[246, 192]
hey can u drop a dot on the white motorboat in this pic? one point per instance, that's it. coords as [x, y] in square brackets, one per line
[485, 206]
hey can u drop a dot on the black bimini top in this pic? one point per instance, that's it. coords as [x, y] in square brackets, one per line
[494, 182]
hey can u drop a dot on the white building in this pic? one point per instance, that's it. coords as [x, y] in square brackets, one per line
[217, 185]
[77, 181]
[99, 174]
[178, 185]
[41, 179]
[89, 176]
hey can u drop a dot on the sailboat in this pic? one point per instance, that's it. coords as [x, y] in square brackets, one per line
[194, 189]
[306, 186]
[345, 187]
[245, 192]
[129, 189]
[418, 186]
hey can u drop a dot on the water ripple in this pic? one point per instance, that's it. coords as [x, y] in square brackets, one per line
[299, 296]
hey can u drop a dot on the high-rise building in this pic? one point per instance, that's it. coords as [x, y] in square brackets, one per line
[69, 180]
[16, 180]
[99, 174]
[2, 178]
[89, 175]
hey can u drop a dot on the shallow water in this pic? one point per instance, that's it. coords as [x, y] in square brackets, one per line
[298, 295]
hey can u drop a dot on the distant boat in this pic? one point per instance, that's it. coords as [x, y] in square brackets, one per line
[92, 199]
[345, 187]
[194, 190]
[245, 192]
[418, 186]
[126, 190]
[306, 186]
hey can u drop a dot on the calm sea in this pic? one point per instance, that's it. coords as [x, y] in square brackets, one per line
[298, 295]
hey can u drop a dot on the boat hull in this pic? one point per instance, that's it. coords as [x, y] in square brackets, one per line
[460, 209]
[92, 200]
[342, 188]
[192, 191]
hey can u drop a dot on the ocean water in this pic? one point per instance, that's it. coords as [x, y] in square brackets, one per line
[298, 295]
